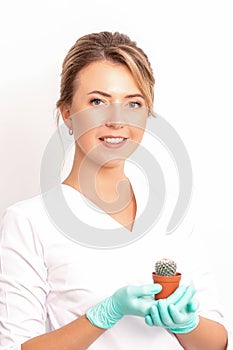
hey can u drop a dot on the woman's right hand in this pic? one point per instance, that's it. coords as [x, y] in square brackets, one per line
[128, 300]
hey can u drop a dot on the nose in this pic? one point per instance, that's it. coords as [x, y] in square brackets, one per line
[115, 125]
[115, 118]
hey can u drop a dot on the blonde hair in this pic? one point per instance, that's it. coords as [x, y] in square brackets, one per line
[115, 47]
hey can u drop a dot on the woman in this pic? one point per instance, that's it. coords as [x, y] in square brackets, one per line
[106, 97]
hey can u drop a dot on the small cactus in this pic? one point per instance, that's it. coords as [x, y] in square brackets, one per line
[165, 267]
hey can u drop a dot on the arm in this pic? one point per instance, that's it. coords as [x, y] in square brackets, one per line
[77, 335]
[23, 282]
[178, 313]
[208, 334]
[81, 333]
[24, 289]
[212, 330]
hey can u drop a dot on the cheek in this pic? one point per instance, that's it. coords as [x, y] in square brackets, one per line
[87, 141]
[137, 134]
[85, 123]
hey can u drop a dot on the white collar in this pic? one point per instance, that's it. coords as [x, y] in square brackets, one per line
[85, 209]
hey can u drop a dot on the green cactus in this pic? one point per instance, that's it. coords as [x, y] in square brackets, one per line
[165, 267]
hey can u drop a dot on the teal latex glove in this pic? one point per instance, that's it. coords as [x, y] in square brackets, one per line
[127, 300]
[177, 313]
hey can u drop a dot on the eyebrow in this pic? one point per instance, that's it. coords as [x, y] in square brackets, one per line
[107, 95]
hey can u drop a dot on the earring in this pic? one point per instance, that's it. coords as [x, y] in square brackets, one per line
[70, 132]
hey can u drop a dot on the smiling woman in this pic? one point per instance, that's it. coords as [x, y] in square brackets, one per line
[104, 135]
[105, 100]
[106, 70]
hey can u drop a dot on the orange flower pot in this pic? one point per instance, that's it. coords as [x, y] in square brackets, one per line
[169, 284]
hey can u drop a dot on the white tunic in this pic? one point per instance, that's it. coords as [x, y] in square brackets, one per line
[46, 275]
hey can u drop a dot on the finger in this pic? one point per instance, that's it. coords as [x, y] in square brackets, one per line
[193, 305]
[164, 314]
[176, 315]
[155, 316]
[149, 321]
[186, 298]
[145, 290]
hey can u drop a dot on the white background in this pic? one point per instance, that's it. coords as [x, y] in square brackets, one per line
[189, 44]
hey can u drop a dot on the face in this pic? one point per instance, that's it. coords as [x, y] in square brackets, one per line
[108, 113]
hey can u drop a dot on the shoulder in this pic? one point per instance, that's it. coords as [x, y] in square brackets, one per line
[35, 206]
[34, 217]
[26, 226]
[25, 216]
[19, 220]
[25, 208]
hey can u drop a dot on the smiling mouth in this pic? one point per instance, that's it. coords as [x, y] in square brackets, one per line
[112, 140]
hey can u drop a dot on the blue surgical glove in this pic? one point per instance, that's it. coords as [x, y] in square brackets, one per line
[177, 313]
[127, 300]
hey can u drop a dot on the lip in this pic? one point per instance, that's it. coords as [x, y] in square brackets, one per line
[113, 137]
[109, 145]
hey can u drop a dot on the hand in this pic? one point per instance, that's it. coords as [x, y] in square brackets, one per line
[127, 300]
[177, 312]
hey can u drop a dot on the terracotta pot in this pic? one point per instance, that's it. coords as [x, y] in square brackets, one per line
[169, 284]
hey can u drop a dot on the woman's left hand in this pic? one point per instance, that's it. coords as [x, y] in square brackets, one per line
[177, 313]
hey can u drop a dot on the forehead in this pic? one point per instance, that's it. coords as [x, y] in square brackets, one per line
[106, 75]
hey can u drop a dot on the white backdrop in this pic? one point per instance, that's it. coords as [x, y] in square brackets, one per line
[189, 44]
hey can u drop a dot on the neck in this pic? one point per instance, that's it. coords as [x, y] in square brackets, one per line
[95, 181]
[106, 186]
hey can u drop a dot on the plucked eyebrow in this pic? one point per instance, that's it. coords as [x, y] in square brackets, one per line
[108, 95]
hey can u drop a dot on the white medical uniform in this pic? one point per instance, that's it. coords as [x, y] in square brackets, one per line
[46, 275]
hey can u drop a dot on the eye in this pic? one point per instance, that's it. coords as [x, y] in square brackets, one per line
[96, 102]
[134, 104]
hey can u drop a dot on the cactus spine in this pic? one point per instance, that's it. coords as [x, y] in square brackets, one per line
[165, 267]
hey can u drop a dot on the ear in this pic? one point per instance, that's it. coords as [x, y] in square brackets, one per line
[65, 112]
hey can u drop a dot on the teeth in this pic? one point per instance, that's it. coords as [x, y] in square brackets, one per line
[113, 140]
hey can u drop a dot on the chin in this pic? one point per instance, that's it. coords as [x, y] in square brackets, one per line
[114, 163]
